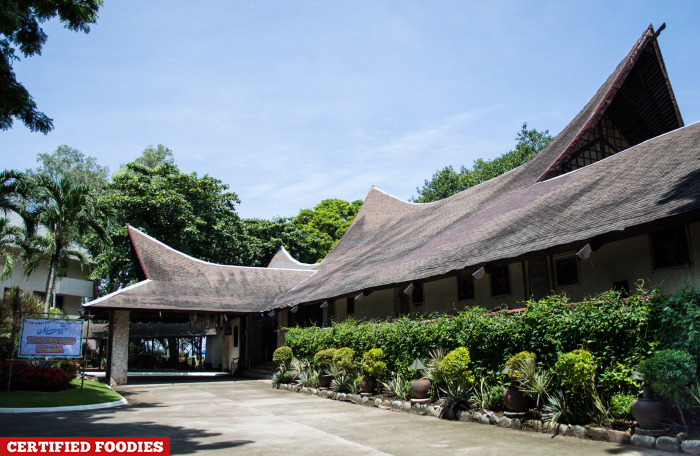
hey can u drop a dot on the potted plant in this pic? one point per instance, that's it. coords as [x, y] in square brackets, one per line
[324, 358]
[373, 368]
[513, 398]
[667, 373]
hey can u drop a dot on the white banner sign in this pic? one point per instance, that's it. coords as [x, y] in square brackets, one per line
[51, 338]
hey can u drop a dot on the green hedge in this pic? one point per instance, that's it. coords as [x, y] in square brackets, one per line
[613, 329]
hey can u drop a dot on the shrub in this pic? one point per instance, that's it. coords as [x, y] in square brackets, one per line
[44, 377]
[617, 379]
[455, 368]
[668, 372]
[282, 356]
[496, 398]
[344, 358]
[372, 363]
[397, 387]
[69, 367]
[577, 370]
[514, 364]
[620, 405]
[324, 358]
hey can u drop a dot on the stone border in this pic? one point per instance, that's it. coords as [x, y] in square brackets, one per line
[664, 443]
[66, 408]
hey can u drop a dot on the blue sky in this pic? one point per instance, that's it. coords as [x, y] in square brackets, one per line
[292, 102]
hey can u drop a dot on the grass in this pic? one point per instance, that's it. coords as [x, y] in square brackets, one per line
[94, 393]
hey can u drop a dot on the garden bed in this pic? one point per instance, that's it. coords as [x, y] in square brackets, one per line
[93, 393]
[665, 442]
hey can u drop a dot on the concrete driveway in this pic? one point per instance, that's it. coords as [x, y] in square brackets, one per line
[248, 417]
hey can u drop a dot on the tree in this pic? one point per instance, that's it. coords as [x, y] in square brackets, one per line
[73, 164]
[152, 157]
[328, 221]
[263, 238]
[192, 214]
[12, 188]
[20, 28]
[446, 182]
[70, 213]
[13, 303]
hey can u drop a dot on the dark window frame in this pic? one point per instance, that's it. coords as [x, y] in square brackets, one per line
[350, 306]
[462, 296]
[418, 294]
[235, 336]
[654, 249]
[561, 259]
[492, 278]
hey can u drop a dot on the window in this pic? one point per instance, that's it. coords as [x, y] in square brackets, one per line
[465, 287]
[351, 306]
[235, 336]
[59, 302]
[417, 295]
[566, 270]
[500, 281]
[670, 248]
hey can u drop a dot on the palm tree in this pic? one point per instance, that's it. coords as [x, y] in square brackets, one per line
[13, 186]
[70, 213]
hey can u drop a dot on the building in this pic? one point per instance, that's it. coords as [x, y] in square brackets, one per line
[614, 198]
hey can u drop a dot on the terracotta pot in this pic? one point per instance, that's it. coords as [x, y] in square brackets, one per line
[324, 380]
[648, 413]
[420, 388]
[367, 384]
[514, 399]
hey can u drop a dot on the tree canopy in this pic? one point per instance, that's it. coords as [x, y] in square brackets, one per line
[73, 164]
[447, 182]
[20, 28]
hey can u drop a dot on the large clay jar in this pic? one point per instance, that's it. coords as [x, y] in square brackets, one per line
[420, 388]
[514, 399]
[367, 384]
[324, 380]
[648, 413]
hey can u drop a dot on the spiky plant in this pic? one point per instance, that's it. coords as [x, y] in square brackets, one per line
[397, 387]
[455, 397]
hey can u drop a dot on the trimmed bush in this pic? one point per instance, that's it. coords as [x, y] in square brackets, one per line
[69, 367]
[372, 363]
[455, 368]
[513, 365]
[577, 370]
[668, 372]
[283, 356]
[344, 358]
[324, 358]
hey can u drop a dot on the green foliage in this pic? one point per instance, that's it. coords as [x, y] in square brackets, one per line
[194, 215]
[372, 363]
[71, 163]
[618, 379]
[612, 329]
[397, 387]
[668, 372]
[496, 398]
[308, 378]
[263, 238]
[514, 364]
[345, 384]
[454, 398]
[577, 370]
[620, 406]
[324, 358]
[69, 367]
[328, 221]
[282, 356]
[20, 28]
[455, 368]
[533, 381]
[344, 358]
[481, 395]
[447, 182]
[557, 410]
[15, 302]
[676, 319]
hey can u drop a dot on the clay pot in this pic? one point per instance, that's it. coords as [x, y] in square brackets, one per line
[648, 413]
[420, 388]
[367, 384]
[514, 399]
[324, 380]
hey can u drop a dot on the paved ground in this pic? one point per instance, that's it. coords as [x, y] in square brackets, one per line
[248, 417]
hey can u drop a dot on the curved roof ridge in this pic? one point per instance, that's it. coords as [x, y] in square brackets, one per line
[408, 202]
[287, 257]
[129, 227]
[119, 291]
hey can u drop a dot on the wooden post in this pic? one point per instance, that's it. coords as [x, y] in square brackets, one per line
[82, 377]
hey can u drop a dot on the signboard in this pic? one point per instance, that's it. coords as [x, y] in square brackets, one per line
[51, 338]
